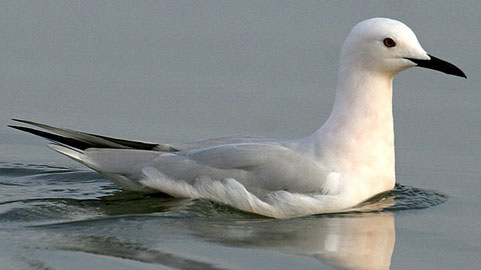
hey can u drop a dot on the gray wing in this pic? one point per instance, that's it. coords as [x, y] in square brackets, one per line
[217, 141]
[258, 166]
[83, 140]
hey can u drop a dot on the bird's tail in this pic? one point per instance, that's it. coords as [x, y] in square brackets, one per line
[114, 158]
[81, 140]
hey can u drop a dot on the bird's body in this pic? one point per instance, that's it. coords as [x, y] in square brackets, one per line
[345, 162]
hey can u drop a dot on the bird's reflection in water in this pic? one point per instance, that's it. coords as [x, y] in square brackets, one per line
[344, 241]
[357, 240]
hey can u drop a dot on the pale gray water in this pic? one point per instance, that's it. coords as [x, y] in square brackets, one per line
[174, 72]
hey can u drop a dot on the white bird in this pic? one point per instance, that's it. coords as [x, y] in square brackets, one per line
[348, 160]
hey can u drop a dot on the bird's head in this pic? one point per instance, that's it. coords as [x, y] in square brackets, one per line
[388, 46]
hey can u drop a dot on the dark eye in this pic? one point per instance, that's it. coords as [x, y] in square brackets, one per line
[389, 42]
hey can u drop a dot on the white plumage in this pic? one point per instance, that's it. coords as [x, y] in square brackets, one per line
[347, 161]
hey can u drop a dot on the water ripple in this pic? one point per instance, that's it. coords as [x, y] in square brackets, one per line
[38, 194]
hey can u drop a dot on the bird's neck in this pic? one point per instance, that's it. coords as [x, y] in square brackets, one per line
[363, 106]
[359, 133]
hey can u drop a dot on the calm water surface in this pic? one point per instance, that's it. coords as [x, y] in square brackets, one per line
[174, 72]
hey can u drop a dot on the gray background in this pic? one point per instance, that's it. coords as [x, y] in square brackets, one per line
[174, 71]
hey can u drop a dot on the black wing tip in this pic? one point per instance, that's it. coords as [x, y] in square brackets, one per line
[61, 140]
[18, 127]
[80, 142]
[21, 120]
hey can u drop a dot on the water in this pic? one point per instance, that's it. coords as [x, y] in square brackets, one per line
[174, 72]
[70, 212]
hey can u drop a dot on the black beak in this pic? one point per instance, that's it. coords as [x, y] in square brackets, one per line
[440, 65]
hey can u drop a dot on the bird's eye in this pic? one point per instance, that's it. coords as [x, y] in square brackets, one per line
[389, 42]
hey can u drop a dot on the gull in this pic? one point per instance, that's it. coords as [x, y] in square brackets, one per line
[348, 160]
